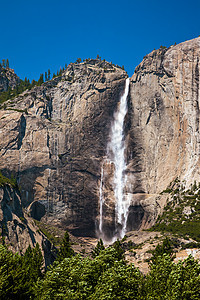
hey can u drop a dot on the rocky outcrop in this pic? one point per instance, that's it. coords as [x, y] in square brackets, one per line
[17, 229]
[8, 78]
[163, 142]
[53, 139]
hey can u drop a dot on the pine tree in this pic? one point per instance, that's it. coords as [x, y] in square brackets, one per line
[45, 76]
[65, 248]
[41, 80]
[98, 248]
[118, 248]
[7, 63]
[78, 60]
[49, 74]
[3, 63]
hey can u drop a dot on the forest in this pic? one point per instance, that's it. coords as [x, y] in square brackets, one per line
[105, 275]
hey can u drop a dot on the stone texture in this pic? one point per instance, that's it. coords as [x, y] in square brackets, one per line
[54, 137]
[17, 228]
[56, 145]
[8, 78]
[163, 142]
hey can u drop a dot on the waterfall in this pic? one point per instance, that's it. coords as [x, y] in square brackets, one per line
[116, 156]
[101, 203]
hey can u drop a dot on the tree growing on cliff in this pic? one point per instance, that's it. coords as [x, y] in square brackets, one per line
[41, 80]
[7, 63]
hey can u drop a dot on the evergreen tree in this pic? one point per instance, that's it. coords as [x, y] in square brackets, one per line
[118, 248]
[49, 74]
[41, 80]
[65, 248]
[3, 63]
[46, 77]
[7, 63]
[165, 248]
[98, 248]
[78, 60]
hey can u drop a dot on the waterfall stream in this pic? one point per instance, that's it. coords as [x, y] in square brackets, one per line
[116, 156]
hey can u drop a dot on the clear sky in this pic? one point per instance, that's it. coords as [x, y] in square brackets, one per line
[44, 34]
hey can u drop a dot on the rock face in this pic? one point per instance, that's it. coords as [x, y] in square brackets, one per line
[17, 228]
[8, 79]
[163, 141]
[56, 145]
[54, 138]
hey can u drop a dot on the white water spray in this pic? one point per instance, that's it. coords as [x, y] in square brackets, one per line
[116, 155]
[101, 203]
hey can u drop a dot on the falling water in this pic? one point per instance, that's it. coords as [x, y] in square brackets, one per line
[101, 203]
[116, 155]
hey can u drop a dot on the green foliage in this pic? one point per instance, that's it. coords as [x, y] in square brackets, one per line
[78, 60]
[174, 219]
[119, 282]
[99, 247]
[119, 251]
[50, 232]
[76, 277]
[10, 94]
[168, 280]
[7, 63]
[19, 273]
[165, 248]
[65, 250]
[163, 47]
[106, 277]
[6, 181]
[41, 80]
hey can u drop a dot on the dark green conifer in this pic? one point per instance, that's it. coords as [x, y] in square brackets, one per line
[65, 248]
[98, 248]
[45, 76]
[49, 74]
[41, 80]
[7, 63]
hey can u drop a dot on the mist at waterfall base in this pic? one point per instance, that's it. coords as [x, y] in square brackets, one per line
[116, 156]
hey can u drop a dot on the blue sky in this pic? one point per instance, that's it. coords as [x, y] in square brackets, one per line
[41, 35]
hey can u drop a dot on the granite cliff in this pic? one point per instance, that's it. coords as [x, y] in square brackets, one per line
[54, 137]
[8, 78]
